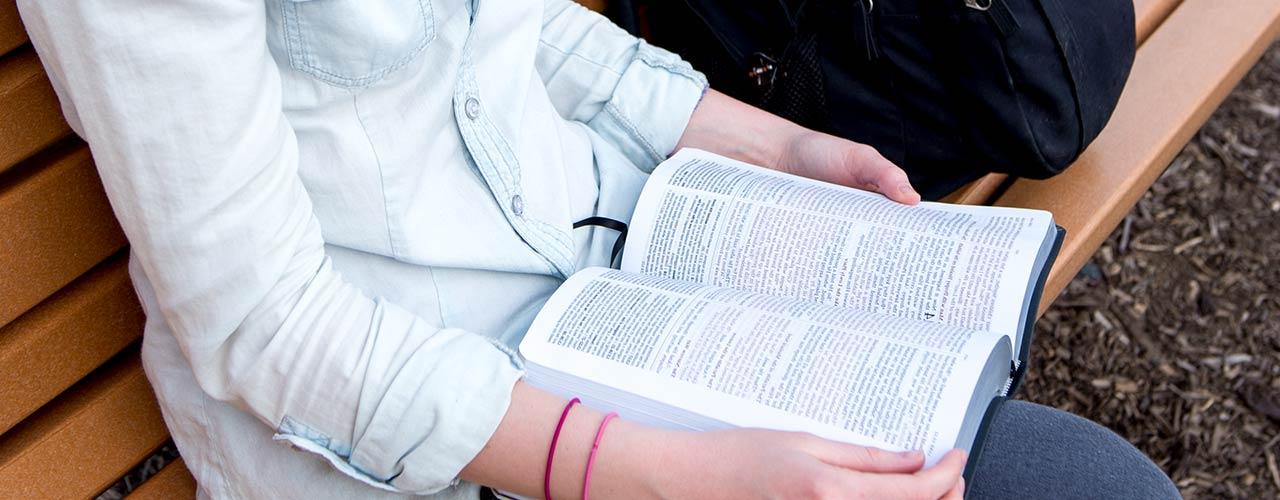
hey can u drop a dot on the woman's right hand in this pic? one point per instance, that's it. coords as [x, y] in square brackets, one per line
[764, 464]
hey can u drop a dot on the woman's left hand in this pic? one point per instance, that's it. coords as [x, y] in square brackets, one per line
[724, 125]
[839, 161]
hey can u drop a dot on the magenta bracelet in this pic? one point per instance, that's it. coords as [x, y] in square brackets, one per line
[591, 459]
[551, 452]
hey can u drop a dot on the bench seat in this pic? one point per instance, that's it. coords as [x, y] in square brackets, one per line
[76, 412]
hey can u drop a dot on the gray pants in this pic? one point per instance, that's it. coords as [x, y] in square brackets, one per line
[1034, 451]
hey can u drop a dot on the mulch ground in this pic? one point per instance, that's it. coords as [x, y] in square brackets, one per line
[1171, 334]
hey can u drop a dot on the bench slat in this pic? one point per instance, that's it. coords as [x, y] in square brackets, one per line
[1182, 73]
[173, 482]
[1148, 15]
[65, 338]
[12, 34]
[596, 5]
[978, 192]
[30, 117]
[87, 439]
[56, 225]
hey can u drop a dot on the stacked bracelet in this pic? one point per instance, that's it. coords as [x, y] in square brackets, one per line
[551, 452]
[591, 459]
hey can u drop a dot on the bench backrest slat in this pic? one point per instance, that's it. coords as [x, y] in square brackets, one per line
[30, 117]
[86, 439]
[12, 35]
[173, 482]
[55, 224]
[65, 338]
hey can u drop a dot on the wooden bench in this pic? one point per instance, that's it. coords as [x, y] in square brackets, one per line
[76, 412]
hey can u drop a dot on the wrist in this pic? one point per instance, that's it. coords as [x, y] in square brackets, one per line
[723, 125]
[634, 461]
[790, 148]
[785, 138]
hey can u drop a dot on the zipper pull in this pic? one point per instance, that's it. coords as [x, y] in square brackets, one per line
[999, 14]
[867, 28]
[763, 71]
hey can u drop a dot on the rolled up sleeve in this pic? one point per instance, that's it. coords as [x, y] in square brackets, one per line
[181, 105]
[637, 96]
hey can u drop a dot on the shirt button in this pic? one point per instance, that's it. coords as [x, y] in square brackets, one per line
[517, 205]
[472, 107]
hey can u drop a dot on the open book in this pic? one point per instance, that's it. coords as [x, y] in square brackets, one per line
[748, 297]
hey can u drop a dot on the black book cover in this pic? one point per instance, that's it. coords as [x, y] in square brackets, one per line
[975, 454]
[1029, 330]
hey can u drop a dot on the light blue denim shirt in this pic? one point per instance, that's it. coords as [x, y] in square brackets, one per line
[344, 213]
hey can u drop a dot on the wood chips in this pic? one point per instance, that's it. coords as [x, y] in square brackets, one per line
[1171, 334]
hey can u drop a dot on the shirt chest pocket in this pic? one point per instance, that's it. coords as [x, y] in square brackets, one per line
[352, 43]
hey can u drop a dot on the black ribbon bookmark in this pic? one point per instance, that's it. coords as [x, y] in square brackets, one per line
[607, 223]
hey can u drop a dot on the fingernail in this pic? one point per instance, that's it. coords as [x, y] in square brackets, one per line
[905, 188]
[910, 454]
[960, 485]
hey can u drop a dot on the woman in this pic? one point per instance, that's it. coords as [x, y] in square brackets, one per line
[344, 213]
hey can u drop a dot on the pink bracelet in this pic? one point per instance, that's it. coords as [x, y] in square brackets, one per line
[591, 459]
[551, 452]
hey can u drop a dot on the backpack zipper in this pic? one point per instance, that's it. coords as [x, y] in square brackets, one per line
[981, 5]
[867, 28]
[998, 13]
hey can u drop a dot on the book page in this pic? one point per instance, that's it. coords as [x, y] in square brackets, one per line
[754, 360]
[709, 219]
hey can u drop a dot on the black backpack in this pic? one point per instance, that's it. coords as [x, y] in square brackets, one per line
[947, 89]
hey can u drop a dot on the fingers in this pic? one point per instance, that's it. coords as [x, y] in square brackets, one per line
[931, 483]
[867, 459]
[936, 481]
[957, 491]
[881, 175]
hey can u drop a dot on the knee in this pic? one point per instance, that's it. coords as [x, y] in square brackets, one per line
[1036, 451]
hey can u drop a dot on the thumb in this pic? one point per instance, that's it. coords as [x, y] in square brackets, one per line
[868, 459]
[932, 483]
[874, 170]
